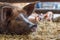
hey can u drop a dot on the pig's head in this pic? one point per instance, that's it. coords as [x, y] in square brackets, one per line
[21, 24]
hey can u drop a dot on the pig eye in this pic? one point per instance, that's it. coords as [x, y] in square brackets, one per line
[17, 19]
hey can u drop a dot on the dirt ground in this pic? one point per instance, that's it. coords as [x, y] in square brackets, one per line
[45, 31]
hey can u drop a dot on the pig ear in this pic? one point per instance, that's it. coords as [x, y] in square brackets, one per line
[29, 8]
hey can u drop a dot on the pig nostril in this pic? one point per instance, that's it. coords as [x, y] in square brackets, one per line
[34, 26]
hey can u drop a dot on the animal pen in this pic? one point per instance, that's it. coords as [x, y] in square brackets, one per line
[46, 30]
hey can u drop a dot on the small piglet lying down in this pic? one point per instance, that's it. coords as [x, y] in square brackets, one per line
[48, 16]
[18, 23]
[34, 17]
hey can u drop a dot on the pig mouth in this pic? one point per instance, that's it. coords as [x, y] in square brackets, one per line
[33, 29]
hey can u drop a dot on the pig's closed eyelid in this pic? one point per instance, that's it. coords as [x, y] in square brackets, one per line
[17, 19]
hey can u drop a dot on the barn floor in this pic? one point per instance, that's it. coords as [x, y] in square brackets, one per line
[45, 31]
